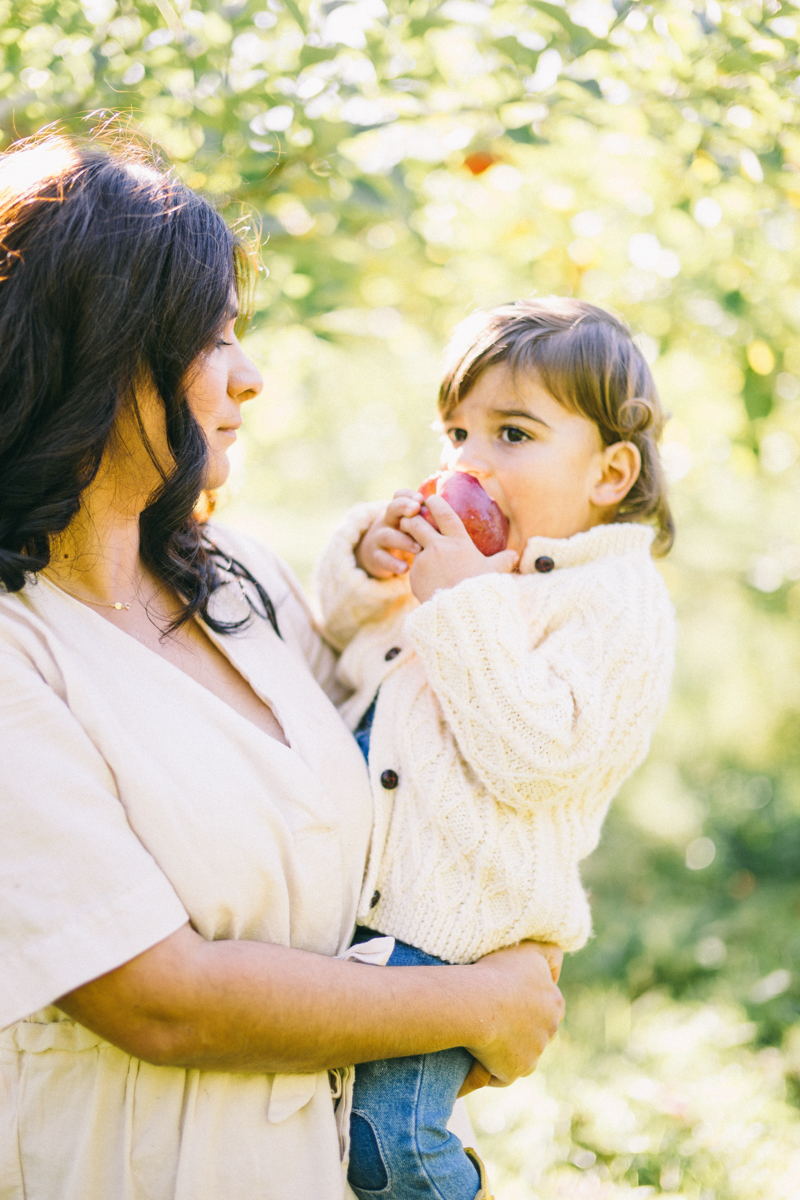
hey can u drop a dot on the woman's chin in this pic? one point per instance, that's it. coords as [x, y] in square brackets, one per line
[217, 474]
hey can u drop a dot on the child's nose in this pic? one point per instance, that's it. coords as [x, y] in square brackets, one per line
[467, 457]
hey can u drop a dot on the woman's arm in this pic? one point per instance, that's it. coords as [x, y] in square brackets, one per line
[249, 1006]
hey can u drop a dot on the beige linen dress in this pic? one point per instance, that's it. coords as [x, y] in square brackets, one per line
[131, 800]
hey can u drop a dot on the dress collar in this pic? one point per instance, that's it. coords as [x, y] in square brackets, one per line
[600, 542]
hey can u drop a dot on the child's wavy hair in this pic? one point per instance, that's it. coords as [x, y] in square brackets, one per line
[587, 359]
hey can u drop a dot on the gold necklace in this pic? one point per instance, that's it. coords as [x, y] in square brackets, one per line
[118, 604]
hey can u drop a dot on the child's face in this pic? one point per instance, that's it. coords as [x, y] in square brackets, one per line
[542, 464]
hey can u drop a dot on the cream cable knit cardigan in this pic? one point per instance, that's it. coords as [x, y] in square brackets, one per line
[511, 708]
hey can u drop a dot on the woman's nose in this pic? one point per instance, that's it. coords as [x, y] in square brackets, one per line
[244, 380]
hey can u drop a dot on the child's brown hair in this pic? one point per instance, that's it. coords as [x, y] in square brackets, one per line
[587, 359]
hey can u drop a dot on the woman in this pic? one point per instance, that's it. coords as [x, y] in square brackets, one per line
[185, 818]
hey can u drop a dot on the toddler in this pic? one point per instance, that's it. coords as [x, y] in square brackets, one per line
[500, 701]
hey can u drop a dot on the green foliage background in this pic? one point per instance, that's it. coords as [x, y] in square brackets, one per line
[406, 161]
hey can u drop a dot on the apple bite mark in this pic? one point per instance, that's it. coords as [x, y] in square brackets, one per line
[483, 519]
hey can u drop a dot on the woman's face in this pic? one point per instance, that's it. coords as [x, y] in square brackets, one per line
[221, 380]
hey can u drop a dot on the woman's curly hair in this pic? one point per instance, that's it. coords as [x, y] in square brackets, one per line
[587, 359]
[111, 272]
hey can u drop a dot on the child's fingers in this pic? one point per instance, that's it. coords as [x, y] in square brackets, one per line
[383, 563]
[402, 506]
[395, 539]
[505, 562]
[420, 530]
[447, 520]
[404, 555]
[477, 1077]
[448, 524]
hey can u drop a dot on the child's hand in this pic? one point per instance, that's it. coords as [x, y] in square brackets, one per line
[449, 554]
[384, 550]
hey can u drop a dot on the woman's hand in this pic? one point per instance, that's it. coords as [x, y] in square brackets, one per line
[448, 553]
[530, 1008]
[384, 550]
[479, 1076]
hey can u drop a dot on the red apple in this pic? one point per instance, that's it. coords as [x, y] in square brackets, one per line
[482, 517]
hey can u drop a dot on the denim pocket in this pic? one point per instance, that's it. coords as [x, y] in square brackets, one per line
[367, 1171]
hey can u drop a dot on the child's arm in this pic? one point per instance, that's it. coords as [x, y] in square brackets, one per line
[349, 594]
[541, 693]
[385, 551]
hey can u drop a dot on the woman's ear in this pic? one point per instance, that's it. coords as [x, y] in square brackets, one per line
[620, 467]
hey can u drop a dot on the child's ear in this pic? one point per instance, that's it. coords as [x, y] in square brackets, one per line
[620, 467]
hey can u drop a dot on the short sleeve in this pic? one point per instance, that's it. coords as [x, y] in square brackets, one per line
[79, 893]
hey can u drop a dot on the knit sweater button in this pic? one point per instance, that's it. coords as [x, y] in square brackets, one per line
[544, 564]
[390, 654]
[375, 898]
[389, 780]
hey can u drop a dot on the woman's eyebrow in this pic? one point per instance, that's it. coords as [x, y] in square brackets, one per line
[519, 412]
[232, 312]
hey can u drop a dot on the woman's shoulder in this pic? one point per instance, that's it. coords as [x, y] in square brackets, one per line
[29, 638]
[21, 621]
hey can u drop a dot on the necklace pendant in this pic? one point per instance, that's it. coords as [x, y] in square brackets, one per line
[119, 606]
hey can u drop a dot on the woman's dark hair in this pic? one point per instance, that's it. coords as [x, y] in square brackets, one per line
[112, 273]
[587, 359]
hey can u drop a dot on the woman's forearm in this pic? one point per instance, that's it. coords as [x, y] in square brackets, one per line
[267, 1008]
[248, 1006]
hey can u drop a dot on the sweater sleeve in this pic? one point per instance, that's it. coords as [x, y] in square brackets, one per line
[348, 597]
[537, 699]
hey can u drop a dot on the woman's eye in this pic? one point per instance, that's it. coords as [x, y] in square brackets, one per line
[510, 433]
[457, 435]
[221, 342]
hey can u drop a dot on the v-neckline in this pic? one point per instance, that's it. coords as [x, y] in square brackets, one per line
[215, 640]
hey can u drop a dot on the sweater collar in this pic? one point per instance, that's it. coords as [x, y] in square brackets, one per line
[600, 542]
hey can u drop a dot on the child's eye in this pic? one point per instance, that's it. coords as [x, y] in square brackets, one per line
[457, 435]
[510, 433]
